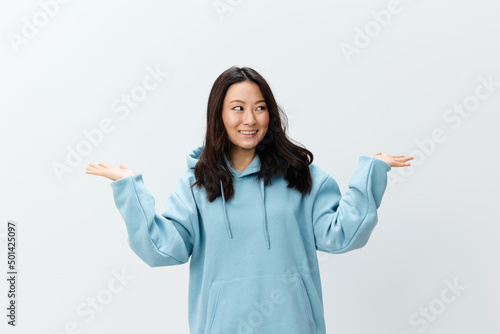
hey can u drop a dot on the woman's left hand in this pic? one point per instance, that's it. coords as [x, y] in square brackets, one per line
[394, 160]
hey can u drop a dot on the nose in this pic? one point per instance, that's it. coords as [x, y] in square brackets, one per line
[248, 117]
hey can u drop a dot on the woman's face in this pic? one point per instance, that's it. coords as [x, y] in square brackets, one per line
[245, 109]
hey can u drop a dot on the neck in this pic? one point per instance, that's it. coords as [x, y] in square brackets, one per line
[241, 158]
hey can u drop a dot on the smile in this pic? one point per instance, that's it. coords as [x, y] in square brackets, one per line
[248, 132]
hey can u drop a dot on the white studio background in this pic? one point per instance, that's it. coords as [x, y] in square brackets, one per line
[355, 78]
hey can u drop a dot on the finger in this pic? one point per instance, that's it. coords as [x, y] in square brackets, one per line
[104, 165]
[92, 166]
[96, 169]
[92, 169]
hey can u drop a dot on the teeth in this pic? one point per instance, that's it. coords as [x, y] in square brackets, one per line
[248, 132]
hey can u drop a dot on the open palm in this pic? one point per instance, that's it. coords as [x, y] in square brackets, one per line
[394, 160]
[111, 173]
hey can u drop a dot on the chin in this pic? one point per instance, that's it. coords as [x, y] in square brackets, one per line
[248, 147]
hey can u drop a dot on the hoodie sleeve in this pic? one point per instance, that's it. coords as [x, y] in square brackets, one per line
[344, 223]
[159, 240]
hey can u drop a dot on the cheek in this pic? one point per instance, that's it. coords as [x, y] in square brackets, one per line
[230, 123]
[265, 120]
[227, 120]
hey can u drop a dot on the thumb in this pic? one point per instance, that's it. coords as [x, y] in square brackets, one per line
[123, 167]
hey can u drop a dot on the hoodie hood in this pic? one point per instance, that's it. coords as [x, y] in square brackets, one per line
[252, 168]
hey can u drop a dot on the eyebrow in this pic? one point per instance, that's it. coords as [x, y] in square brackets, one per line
[244, 101]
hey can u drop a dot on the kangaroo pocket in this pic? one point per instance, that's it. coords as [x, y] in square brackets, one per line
[259, 305]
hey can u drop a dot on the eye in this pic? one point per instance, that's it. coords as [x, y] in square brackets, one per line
[263, 107]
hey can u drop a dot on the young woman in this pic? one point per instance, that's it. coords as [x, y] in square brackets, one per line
[250, 212]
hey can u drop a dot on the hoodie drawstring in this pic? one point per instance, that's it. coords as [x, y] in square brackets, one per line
[264, 220]
[266, 234]
[228, 227]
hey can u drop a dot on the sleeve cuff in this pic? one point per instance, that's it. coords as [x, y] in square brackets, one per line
[378, 163]
[124, 180]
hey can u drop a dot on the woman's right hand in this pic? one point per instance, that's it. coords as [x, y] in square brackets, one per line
[108, 171]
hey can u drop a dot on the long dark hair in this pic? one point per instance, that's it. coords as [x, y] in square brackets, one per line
[277, 154]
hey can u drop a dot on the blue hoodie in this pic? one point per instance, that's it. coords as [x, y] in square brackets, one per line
[254, 266]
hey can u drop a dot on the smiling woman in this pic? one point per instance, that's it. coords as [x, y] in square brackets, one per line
[251, 212]
[246, 120]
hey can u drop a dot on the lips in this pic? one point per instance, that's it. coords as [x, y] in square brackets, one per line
[254, 131]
